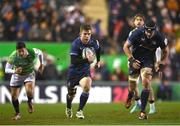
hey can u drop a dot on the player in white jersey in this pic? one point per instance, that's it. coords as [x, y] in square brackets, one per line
[21, 65]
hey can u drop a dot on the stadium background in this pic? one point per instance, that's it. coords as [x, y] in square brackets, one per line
[51, 25]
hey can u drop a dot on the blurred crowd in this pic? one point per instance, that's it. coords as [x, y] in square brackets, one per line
[40, 20]
[59, 21]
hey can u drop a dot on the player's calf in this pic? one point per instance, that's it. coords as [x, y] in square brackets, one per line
[129, 99]
[128, 103]
[30, 107]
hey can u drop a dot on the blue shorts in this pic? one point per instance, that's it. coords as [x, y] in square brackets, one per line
[74, 78]
[134, 73]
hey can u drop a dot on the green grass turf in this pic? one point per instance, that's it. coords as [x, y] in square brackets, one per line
[168, 113]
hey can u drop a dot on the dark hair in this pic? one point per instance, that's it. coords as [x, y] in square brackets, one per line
[139, 15]
[150, 25]
[20, 45]
[85, 27]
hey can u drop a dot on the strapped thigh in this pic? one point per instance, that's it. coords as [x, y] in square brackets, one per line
[133, 77]
[72, 91]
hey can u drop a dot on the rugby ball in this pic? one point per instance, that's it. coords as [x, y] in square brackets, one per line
[87, 51]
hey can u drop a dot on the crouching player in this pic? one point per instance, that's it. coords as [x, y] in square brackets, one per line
[79, 70]
[21, 65]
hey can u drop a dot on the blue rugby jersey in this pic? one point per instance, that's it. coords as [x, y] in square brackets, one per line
[144, 48]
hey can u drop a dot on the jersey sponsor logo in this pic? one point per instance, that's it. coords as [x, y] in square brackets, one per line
[154, 42]
[142, 39]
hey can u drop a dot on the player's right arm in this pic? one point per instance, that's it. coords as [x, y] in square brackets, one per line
[132, 61]
[9, 68]
[127, 50]
[164, 53]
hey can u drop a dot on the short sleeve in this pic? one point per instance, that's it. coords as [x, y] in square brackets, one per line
[132, 36]
[11, 58]
[37, 51]
[74, 49]
[163, 41]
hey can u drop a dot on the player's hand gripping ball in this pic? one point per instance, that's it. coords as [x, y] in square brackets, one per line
[89, 54]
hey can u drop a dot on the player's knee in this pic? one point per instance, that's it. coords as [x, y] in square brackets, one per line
[29, 93]
[146, 85]
[14, 97]
[72, 92]
[133, 79]
[147, 73]
[86, 89]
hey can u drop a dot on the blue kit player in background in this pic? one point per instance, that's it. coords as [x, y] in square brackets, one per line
[144, 42]
[79, 70]
[138, 21]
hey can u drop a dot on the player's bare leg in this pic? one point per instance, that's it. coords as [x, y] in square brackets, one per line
[131, 89]
[146, 74]
[29, 86]
[15, 102]
[131, 92]
[152, 109]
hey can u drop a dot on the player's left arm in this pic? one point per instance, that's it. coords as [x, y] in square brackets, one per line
[98, 54]
[164, 54]
[40, 56]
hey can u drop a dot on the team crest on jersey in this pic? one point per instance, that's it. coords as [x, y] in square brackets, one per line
[154, 42]
[142, 39]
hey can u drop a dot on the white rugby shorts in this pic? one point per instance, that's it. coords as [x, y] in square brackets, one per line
[19, 80]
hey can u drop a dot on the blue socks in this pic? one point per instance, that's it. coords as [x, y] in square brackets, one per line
[144, 99]
[83, 99]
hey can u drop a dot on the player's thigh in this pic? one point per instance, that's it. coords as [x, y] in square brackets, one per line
[29, 86]
[133, 78]
[85, 83]
[14, 92]
[16, 80]
[132, 84]
[146, 74]
[72, 91]
[29, 82]
[72, 82]
[30, 78]
[133, 75]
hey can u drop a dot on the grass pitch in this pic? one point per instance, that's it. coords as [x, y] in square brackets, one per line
[168, 113]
